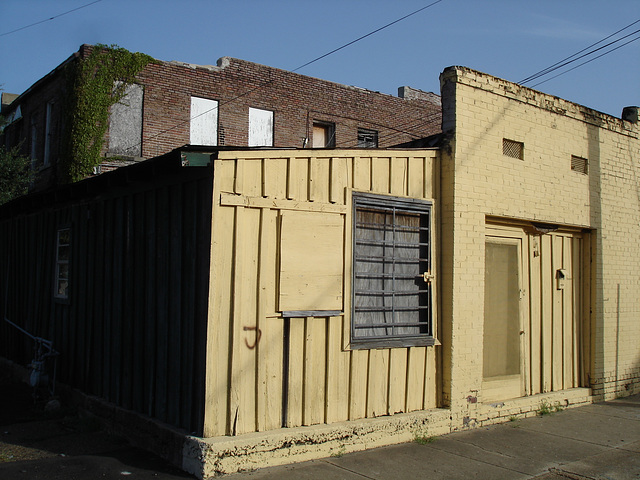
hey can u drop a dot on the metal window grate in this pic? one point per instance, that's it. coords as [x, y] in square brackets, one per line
[391, 252]
[579, 164]
[513, 149]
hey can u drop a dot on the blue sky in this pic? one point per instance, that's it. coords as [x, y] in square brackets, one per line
[511, 39]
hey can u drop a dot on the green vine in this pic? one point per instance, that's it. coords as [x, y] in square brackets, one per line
[95, 83]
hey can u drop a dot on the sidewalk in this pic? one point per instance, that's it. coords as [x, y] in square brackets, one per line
[600, 441]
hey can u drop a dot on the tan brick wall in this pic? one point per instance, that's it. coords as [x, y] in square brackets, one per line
[479, 111]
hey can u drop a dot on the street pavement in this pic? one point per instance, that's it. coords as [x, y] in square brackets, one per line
[595, 442]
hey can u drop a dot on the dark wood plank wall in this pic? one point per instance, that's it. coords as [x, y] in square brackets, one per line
[133, 330]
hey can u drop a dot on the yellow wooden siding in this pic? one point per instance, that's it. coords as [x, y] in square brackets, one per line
[247, 334]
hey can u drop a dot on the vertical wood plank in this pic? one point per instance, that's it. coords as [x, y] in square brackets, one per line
[576, 317]
[547, 311]
[337, 373]
[297, 178]
[219, 322]
[399, 170]
[397, 380]
[314, 371]
[430, 382]
[567, 314]
[319, 180]
[340, 179]
[416, 177]
[557, 337]
[242, 401]
[270, 332]
[535, 332]
[430, 177]
[362, 173]
[296, 372]
[415, 378]
[358, 384]
[380, 177]
[378, 385]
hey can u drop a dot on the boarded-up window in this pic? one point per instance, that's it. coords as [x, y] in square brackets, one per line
[311, 263]
[391, 288]
[204, 122]
[125, 123]
[260, 128]
[63, 250]
[324, 135]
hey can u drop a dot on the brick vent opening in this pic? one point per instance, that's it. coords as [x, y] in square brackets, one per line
[579, 164]
[513, 149]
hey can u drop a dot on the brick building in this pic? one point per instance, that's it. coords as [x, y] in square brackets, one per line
[234, 103]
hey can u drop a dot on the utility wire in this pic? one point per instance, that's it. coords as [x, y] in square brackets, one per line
[49, 19]
[365, 36]
[588, 61]
[565, 61]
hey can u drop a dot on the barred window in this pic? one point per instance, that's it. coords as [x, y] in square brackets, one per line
[63, 250]
[367, 138]
[392, 282]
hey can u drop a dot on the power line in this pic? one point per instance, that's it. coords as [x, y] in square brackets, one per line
[365, 36]
[49, 19]
[588, 61]
[566, 61]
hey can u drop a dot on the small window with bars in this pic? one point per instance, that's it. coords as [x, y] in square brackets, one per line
[392, 281]
[579, 164]
[367, 138]
[63, 251]
[513, 149]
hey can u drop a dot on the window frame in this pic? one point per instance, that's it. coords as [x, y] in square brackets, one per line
[364, 143]
[330, 129]
[57, 278]
[366, 200]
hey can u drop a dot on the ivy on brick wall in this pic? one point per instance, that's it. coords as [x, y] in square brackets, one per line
[95, 83]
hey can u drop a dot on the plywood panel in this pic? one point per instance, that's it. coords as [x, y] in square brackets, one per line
[311, 261]
[576, 319]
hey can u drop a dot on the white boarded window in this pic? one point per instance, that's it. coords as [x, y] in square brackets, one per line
[260, 128]
[204, 122]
